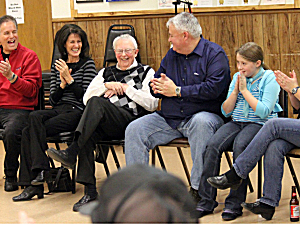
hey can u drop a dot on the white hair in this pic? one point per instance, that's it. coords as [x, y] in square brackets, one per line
[125, 36]
[186, 22]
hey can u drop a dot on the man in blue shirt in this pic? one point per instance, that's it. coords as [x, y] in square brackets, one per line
[192, 83]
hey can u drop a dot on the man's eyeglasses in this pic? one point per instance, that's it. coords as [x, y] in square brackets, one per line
[127, 51]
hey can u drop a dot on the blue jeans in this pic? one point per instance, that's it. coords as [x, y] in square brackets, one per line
[235, 136]
[276, 138]
[151, 130]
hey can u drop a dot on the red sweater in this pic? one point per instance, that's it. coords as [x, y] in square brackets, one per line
[23, 94]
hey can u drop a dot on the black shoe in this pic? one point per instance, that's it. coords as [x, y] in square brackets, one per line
[194, 193]
[200, 213]
[63, 156]
[227, 216]
[266, 211]
[221, 182]
[29, 193]
[84, 200]
[11, 184]
[40, 178]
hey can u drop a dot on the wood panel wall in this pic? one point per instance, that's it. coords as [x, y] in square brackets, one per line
[276, 31]
[36, 32]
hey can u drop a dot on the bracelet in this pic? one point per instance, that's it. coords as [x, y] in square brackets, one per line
[13, 77]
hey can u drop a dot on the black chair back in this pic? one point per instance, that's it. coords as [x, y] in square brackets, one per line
[113, 32]
[283, 102]
[56, 54]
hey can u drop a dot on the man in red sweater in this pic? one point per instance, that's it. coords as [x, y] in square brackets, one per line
[20, 80]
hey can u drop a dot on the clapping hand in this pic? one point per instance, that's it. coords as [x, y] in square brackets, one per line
[163, 85]
[286, 83]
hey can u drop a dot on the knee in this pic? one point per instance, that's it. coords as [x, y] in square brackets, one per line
[34, 115]
[276, 149]
[238, 147]
[133, 129]
[11, 133]
[270, 124]
[206, 121]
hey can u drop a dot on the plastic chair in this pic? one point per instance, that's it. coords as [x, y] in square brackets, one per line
[113, 32]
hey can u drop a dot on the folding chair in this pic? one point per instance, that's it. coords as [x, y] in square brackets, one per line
[114, 31]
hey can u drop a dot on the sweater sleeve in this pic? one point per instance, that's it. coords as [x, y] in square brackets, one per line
[269, 92]
[30, 77]
[143, 96]
[231, 88]
[96, 87]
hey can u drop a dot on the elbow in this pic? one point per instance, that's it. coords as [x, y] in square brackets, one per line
[152, 106]
[264, 114]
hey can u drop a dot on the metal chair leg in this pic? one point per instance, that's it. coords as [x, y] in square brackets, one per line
[186, 170]
[230, 166]
[160, 158]
[104, 161]
[115, 156]
[293, 173]
[153, 157]
[259, 178]
[73, 180]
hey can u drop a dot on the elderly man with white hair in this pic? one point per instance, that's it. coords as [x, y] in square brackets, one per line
[117, 95]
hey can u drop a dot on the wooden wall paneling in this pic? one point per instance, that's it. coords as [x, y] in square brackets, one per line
[139, 27]
[295, 43]
[271, 40]
[36, 32]
[164, 37]
[226, 36]
[140, 32]
[208, 25]
[284, 42]
[153, 40]
[95, 33]
[2, 8]
[244, 29]
[258, 29]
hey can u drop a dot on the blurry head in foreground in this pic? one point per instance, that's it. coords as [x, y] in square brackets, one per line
[142, 194]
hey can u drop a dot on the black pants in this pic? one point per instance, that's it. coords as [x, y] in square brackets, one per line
[101, 120]
[13, 122]
[42, 124]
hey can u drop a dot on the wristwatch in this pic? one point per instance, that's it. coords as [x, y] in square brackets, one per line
[294, 90]
[13, 77]
[177, 91]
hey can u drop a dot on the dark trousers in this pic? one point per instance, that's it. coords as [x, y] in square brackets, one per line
[239, 135]
[42, 124]
[101, 120]
[13, 121]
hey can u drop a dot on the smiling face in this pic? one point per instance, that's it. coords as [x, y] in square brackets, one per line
[73, 46]
[177, 39]
[9, 37]
[125, 53]
[249, 69]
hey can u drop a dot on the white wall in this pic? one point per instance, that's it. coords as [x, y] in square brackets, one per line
[61, 9]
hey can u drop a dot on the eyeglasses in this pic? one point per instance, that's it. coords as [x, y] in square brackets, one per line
[127, 51]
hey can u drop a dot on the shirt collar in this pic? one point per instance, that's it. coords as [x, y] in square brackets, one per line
[199, 48]
[134, 64]
[258, 75]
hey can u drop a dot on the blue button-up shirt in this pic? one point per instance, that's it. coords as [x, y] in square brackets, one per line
[204, 78]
